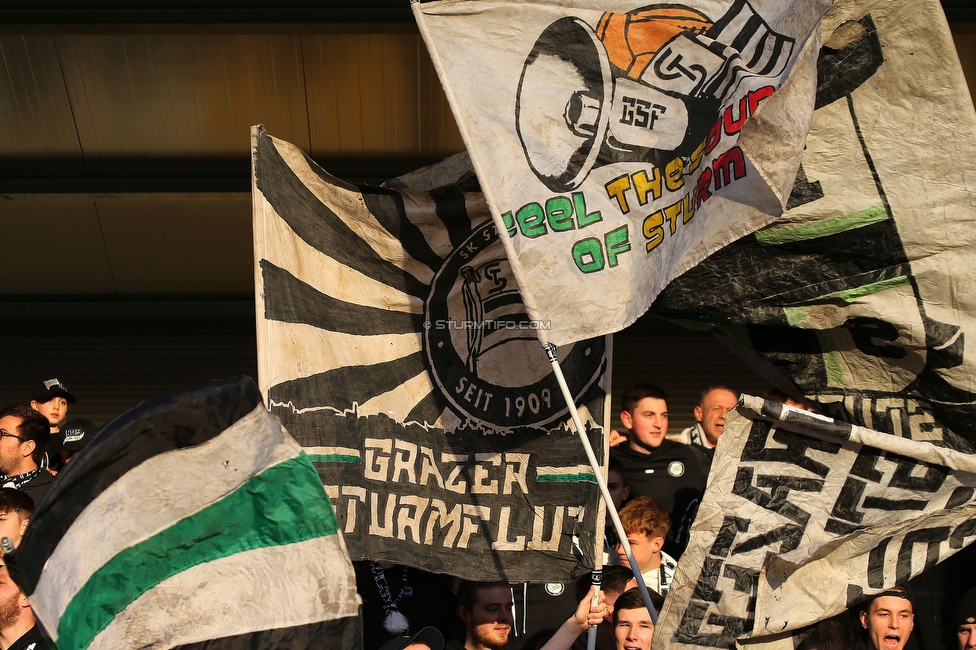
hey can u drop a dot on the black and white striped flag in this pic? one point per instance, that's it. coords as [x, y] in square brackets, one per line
[394, 344]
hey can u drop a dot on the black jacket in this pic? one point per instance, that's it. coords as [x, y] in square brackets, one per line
[673, 474]
[38, 486]
[32, 638]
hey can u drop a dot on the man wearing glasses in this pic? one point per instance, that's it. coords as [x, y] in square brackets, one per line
[24, 435]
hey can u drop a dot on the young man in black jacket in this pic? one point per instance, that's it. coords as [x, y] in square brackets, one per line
[670, 472]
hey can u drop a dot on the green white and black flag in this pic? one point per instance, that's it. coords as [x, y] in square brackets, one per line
[394, 345]
[862, 298]
[864, 294]
[192, 521]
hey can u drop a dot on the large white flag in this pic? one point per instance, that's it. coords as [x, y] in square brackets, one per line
[864, 292]
[619, 143]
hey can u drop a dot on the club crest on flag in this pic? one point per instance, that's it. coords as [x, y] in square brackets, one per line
[476, 328]
[393, 343]
[451, 311]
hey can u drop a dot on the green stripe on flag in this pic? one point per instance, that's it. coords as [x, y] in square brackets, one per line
[853, 295]
[565, 478]
[285, 504]
[564, 474]
[333, 458]
[822, 228]
[834, 364]
[797, 315]
[834, 367]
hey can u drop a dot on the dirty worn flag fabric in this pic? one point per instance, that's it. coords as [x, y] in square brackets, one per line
[394, 345]
[192, 521]
[863, 297]
[619, 143]
[805, 516]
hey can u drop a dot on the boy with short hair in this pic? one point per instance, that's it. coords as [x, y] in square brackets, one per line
[615, 579]
[15, 511]
[888, 618]
[632, 624]
[646, 523]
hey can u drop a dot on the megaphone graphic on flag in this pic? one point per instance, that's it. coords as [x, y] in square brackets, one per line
[644, 86]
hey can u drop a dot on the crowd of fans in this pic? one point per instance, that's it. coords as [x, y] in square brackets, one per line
[35, 442]
[656, 482]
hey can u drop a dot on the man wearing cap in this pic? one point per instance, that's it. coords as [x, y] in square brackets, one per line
[51, 398]
[24, 436]
[966, 621]
[889, 618]
[428, 638]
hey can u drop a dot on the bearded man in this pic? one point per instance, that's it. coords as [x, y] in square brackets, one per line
[486, 610]
[18, 628]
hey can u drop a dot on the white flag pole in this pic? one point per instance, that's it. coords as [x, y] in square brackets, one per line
[597, 581]
[604, 491]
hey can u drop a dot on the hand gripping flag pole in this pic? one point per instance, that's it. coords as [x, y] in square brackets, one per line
[597, 581]
[604, 492]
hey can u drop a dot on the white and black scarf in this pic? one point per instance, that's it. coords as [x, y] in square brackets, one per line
[20, 480]
[395, 622]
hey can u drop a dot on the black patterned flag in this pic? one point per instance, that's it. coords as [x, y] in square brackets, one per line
[394, 345]
[191, 521]
[805, 516]
[619, 143]
[863, 297]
